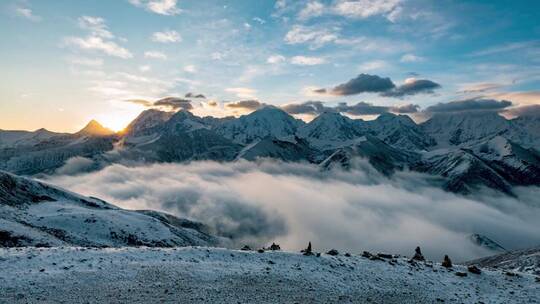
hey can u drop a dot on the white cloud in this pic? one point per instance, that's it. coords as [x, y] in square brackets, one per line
[247, 26]
[145, 68]
[306, 60]
[27, 13]
[97, 62]
[242, 92]
[99, 44]
[366, 8]
[280, 4]
[315, 37]
[312, 9]
[162, 7]
[411, 58]
[99, 38]
[374, 65]
[273, 59]
[217, 56]
[166, 37]
[155, 55]
[190, 68]
[96, 26]
[259, 20]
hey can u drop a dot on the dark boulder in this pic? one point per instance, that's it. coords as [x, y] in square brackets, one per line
[274, 247]
[447, 263]
[474, 269]
[332, 252]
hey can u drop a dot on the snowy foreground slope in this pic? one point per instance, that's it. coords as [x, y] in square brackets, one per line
[37, 214]
[213, 275]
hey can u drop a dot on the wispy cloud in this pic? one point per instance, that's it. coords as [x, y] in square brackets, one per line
[99, 44]
[168, 36]
[242, 92]
[366, 8]
[313, 36]
[190, 68]
[312, 9]
[24, 11]
[162, 7]
[155, 55]
[411, 58]
[307, 60]
[99, 39]
[274, 59]
[90, 62]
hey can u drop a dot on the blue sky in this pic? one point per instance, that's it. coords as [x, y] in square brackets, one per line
[67, 61]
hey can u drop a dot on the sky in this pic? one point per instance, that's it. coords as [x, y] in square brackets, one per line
[65, 62]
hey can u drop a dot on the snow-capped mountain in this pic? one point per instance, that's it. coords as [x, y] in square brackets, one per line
[33, 213]
[516, 164]
[525, 260]
[468, 150]
[94, 128]
[50, 153]
[13, 139]
[291, 150]
[182, 137]
[463, 171]
[332, 130]
[268, 121]
[383, 157]
[485, 242]
[400, 131]
[453, 129]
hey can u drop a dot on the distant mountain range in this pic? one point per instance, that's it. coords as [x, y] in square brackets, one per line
[466, 150]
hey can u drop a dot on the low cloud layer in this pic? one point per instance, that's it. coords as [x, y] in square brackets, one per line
[365, 83]
[470, 105]
[291, 204]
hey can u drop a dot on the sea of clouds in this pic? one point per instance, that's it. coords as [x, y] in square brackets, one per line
[260, 202]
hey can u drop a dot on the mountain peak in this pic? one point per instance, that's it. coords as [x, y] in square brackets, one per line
[94, 128]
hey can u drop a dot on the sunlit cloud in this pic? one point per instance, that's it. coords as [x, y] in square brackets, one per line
[242, 92]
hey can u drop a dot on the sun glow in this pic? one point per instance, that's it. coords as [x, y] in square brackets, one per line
[117, 120]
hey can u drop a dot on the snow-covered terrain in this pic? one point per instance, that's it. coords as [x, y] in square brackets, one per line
[527, 260]
[205, 275]
[36, 214]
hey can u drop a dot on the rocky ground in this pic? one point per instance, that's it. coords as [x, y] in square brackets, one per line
[211, 275]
